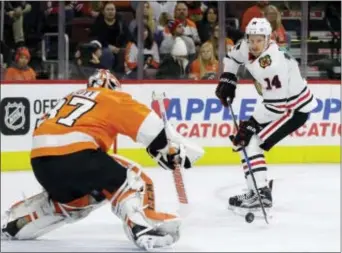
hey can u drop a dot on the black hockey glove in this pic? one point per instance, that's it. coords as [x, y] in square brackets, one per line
[226, 88]
[245, 132]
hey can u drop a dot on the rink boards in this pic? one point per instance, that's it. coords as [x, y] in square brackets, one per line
[195, 113]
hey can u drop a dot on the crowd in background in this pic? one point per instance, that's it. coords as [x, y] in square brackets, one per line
[180, 37]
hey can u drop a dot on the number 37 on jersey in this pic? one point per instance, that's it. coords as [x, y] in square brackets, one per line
[73, 107]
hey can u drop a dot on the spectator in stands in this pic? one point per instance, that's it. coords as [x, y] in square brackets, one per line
[106, 61]
[110, 31]
[151, 53]
[160, 7]
[208, 23]
[50, 22]
[177, 30]
[278, 31]
[20, 69]
[73, 9]
[52, 9]
[89, 55]
[195, 10]
[205, 66]
[162, 30]
[176, 65]
[15, 11]
[190, 29]
[88, 59]
[256, 11]
[87, 8]
[214, 40]
[148, 19]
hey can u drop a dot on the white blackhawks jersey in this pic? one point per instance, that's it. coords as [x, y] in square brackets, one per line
[280, 82]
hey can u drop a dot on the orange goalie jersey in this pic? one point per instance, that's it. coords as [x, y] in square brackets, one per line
[90, 119]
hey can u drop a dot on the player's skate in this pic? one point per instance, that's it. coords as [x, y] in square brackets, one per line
[249, 202]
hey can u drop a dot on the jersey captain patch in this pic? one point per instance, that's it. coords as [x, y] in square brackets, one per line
[265, 61]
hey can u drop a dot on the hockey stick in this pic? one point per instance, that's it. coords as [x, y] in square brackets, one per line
[177, 174]
[248, 164]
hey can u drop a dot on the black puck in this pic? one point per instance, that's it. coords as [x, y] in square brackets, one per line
[249, 217]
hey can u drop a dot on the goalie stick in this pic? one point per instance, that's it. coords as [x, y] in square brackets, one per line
[177, 172]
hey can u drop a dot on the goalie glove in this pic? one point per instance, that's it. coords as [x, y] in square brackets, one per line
[173, 150]
[170, 157]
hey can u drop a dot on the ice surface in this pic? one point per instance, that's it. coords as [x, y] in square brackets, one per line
[306, 213]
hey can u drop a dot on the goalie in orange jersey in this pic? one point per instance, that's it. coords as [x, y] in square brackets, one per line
[69, 159]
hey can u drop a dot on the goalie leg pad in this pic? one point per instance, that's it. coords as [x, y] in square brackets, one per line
[38, 215]
[134, 204]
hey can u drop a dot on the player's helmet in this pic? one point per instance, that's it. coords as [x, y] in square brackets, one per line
[259, 26]
[102, 78]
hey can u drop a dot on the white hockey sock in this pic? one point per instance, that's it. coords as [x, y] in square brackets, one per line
[257, 162]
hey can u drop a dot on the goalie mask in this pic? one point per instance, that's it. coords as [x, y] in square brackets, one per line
[102, 78]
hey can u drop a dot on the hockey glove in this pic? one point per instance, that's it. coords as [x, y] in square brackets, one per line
[226, 88]
[170, 158]
[245, 132]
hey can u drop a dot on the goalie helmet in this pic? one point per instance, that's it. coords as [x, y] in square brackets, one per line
[102, 78]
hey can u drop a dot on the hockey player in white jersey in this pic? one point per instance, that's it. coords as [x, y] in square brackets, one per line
[287, 102]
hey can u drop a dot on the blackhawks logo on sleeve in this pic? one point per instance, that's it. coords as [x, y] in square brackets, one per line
[265, 61]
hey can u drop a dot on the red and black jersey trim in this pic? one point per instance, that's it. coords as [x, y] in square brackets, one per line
[273, 109]
[294, 102]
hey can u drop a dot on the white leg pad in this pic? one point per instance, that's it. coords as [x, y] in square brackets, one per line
[40, 227]
[42, 215]
[129, 203]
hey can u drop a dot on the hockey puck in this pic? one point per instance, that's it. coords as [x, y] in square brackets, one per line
[249, 217]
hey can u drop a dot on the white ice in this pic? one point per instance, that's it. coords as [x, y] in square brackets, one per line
[306, 213]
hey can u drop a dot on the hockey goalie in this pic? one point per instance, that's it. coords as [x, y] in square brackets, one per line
[69, 159]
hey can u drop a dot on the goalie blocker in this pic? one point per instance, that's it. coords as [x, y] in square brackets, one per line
[69, 159]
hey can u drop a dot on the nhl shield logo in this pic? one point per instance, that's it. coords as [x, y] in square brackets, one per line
[265, 61]
[15, 115]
